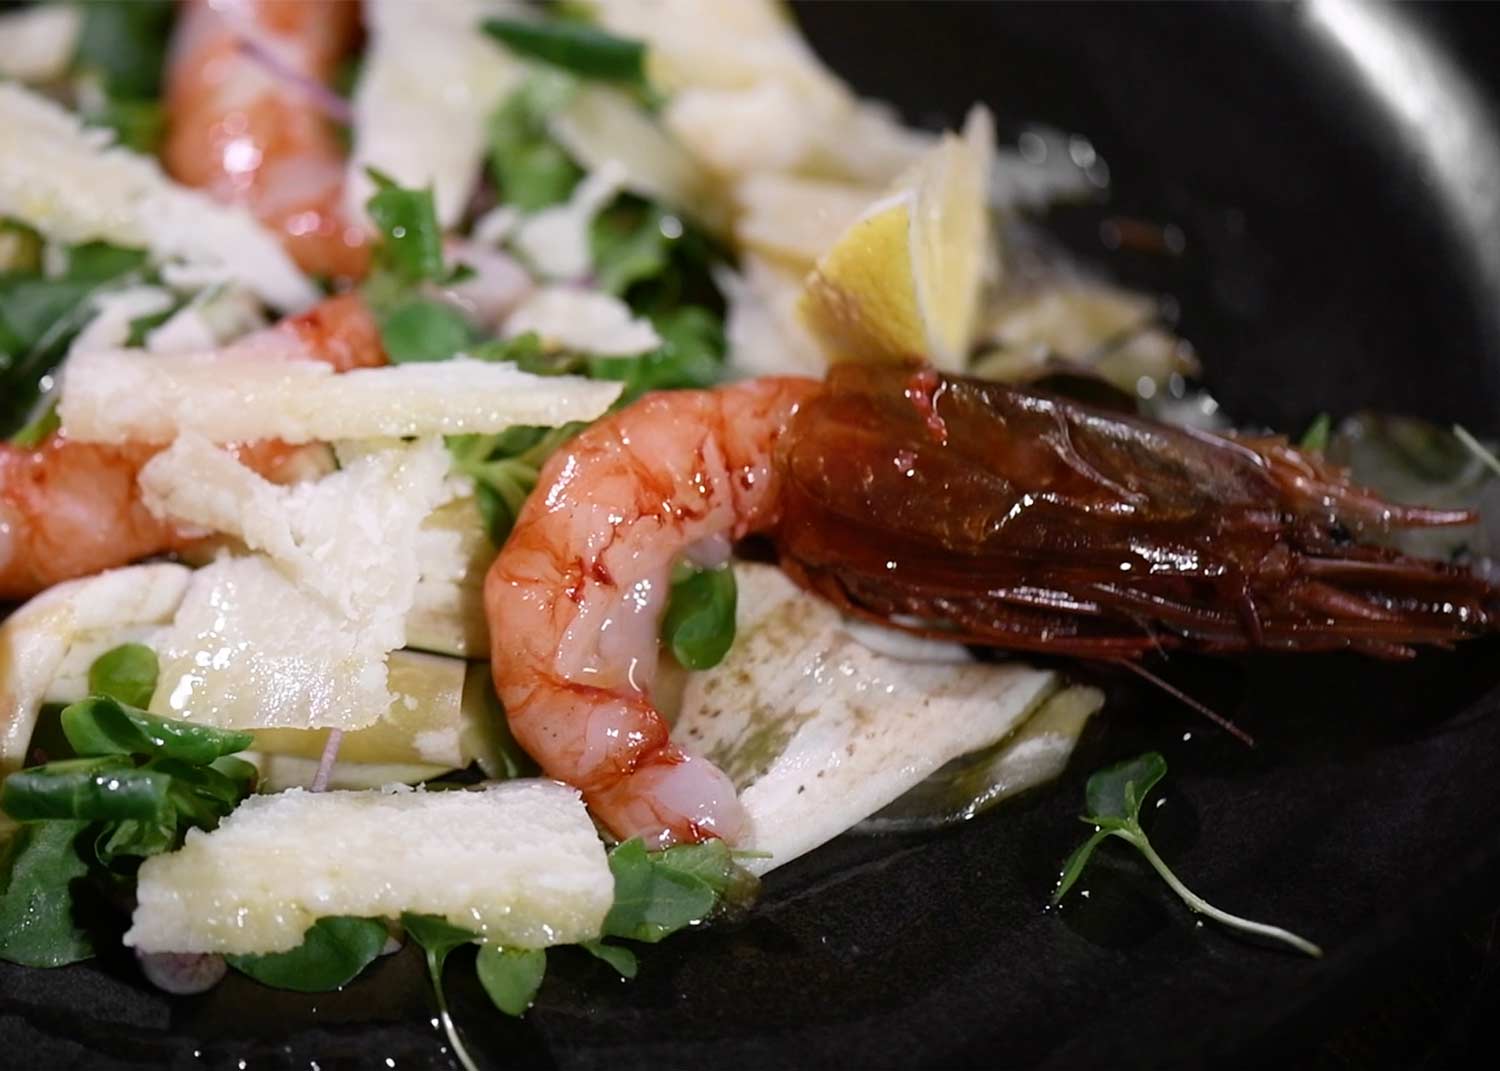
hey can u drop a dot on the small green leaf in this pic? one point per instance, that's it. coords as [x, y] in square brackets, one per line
[438, 936]
[420, 330]
[1316, 436]
[621, 959]
[88, 789]
[100, 725]
[698, 626]
[532, 171]
[523, 349]
[412, 241]
[628, 245]
[711, 862]
[575, 47]
[511, 976]
[42, 427]
[332, 953]
[1116, 793]
[127, 673]
[136, 838]
[100, 262]
[1075, 864]
[652, 901]
[38, 867]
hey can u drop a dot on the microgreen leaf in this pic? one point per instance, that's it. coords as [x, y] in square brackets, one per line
[504, 469]
[621, 959]
[332, 953]
[511, 976]
[126, 673]
[412, 242]
[421, 330]
[1114, 797]
[38, 867]
[575, 47]
[698, 626]
[652, 899]
[1115, 794]
[1316, 436]
[629, 246]
[439, 937]
[530, 168]
[100, 725]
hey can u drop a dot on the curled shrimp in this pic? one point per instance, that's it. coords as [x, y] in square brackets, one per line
[574, 599]
[988, 514]
[245, 79]
[69, 509]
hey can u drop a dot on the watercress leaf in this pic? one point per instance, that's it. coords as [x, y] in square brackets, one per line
[1317, 433]
[531, 169]
[137, 124]
[652, 901]
[522, 348]
[621, 959]
[438, 936]
[1117, 791]
[511, 976]
[332, 953]
[127, 673]
[108, 788]
[1075, 864]
[698, 626]
[136, 837]
[100, 262]
[711, 862]
[42, 426]
[421, 330]
[577, 47]
[100, 725]
[628, 245]
[412, 245]
[38, 867]
[242, 773]
[126, 44]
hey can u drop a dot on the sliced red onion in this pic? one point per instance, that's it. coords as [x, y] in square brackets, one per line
[182, 973]
[325, 763]
[318, 95]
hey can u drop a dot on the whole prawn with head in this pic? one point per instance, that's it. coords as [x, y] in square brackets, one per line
[982, 513]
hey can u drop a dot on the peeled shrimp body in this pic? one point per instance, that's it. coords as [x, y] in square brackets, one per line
[576, 596]
[69, 509]
[244, 83]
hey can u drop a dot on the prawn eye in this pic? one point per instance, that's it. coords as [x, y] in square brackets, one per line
[698, 626]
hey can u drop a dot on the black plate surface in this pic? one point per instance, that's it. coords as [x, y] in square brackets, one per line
[1335, 169]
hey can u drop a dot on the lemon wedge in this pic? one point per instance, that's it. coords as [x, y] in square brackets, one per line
[904, 280]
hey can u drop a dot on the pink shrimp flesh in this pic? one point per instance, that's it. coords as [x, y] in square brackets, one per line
[68, 509]
[243, 121]
[574, 600]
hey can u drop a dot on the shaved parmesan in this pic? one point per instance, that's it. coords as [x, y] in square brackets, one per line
[39, 41]
[518, 863]
[233, 397]
[37, 640]
[764, 329]
[583, 321]
[555, 241]
[298, 639]
[818, 732]
[421, 129]
[71, 184]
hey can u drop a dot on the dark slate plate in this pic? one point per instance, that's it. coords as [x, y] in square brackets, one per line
[1335, 168]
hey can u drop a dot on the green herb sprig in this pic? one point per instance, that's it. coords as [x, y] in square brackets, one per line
[575, 47]
[1114, 797]
[136, 785]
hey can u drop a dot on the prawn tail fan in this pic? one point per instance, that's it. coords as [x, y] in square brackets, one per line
[1007, 517]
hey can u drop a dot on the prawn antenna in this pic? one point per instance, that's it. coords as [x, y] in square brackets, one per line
[1186, 700]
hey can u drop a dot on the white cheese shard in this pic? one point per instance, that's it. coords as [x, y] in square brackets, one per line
[73, 185]
[764, 329]
[39, 638]
[555, 241]
[37, 43]
[298, 639]
[518, 863]
[241, 397]
[417, 126]
[583, 321]
[818, 732]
